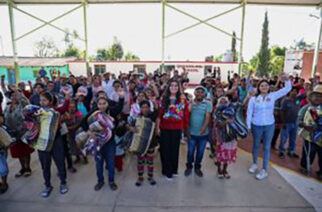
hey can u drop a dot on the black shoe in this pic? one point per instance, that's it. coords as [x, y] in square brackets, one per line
[46, 192]
[198, 172]
[72, 170]
[152, 181]
[27, 173]
[98, 186]
[3, 188]
[293, 155]
[304, 171]
[187, 172]
[113, 186]
[281, 155]
[20, 173]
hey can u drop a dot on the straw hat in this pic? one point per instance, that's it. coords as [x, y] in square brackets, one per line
[317, 89]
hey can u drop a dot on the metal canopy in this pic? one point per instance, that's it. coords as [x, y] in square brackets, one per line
[264, 2]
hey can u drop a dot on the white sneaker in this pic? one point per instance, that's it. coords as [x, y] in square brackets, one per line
[253, 168]
[261, 175]
[169, 179]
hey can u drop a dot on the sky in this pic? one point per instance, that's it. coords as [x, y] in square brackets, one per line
[138, 27]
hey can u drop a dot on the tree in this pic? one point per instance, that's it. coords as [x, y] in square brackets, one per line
[69, 37]
[72, 51]
[218, 58]
[101, 55]
[277, 59]
[233, 47]
[264, 53]
[129, 56]
[115, 51]
[46, 47]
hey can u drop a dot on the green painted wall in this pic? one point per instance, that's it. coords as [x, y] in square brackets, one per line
[29, 73]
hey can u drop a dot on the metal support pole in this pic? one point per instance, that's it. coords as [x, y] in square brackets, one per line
[163, 35]
[317, 47]
[85, 33]
[14, 48]
[241, 59]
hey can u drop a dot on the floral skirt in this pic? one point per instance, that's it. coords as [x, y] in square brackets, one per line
[227, 152]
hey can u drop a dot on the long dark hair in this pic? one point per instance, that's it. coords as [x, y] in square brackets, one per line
[167, 94]
[259, 84]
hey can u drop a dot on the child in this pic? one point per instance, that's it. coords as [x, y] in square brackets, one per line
[102, 144]
[120, 153]
[73, 119]
[5, 141]
[148, 158]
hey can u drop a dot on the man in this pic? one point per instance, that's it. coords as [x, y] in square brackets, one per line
[22, 88]
[35, 98]
[198, 130]
[42, 72]
[64, 86]
[107, 83]
[290, 110]
[310, 127]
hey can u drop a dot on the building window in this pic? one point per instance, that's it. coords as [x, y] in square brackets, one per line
[100, 69]
[139, 68]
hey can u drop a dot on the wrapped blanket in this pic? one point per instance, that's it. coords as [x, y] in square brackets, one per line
[101, 125]
[31, 125]
[5, 138]
[49, 122]
[235, 130]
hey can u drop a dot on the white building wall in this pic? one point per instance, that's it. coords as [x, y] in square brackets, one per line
[195, 69]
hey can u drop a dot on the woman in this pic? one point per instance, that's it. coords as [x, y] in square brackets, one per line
[173, 119]
[14, 120]
[50, 143]
[226, 149]
[260, 119]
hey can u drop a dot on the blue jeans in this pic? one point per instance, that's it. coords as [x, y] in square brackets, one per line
[289, 131]
[107, 154]
[4, 170]
[199, 143]
[267, 133]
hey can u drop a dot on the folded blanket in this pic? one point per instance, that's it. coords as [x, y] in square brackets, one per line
[49, 122]
[5, 138]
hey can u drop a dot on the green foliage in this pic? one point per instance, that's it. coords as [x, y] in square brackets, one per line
[264, 53]
[218, 58]
[233, 47]
[129, 56]
[73, 51]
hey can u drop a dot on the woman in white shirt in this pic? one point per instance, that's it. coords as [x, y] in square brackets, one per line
[260, 119]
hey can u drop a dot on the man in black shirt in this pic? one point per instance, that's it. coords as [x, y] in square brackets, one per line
[289, 116]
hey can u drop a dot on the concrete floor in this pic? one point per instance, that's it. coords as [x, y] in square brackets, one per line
[242, 193]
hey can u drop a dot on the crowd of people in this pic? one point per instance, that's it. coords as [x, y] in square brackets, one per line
[68, 119]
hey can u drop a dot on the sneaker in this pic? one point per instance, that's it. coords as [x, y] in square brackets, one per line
[198, 172]
[63, 189]
[262, 175]
[139, 181]
[169, 179]
[281, 155]
[27, 173]
[46, 192]
[98, 186]
[3, 188]
[253, 168]
[293, 155]
[72, 170]
[187, 172]
[113, 186]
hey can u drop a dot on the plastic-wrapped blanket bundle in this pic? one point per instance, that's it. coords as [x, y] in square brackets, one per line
[238, 128]
[31, 125]
[5, 138]
[101, 125]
